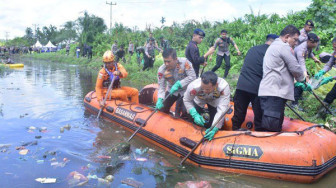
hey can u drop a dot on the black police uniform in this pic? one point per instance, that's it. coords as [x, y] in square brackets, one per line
[193, 55]
[248, 86]
[331, 96]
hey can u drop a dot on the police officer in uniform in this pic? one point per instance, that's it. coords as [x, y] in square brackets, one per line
[150, 54]
[223, 52]
[248, 85]
[302, 52]
[192, 51]
[280, 67]
[175, 75]
[331, 96]
[210, 90]
[114, 47]
[164, 43]
[305, 30]
[150, 37]
[130, 48]
[120, 54]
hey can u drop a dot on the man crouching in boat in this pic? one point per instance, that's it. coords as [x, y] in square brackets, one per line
[210, 90]
[105, 76]
[176, 74]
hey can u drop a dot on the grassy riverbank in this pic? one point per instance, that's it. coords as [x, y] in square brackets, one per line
[141, 78]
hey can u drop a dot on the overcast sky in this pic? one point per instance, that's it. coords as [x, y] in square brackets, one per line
[17, 15]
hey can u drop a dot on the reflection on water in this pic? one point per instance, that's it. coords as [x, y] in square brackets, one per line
[38, 101]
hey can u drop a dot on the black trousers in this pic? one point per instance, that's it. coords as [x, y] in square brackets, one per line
[297, 94]
[273, 109]
[148, 62]
[179, 106]
[219, 61]
[241, 101]
[196, 68]
[331, 96]
[212, 112]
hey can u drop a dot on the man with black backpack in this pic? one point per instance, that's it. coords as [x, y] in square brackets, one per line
[223, 52]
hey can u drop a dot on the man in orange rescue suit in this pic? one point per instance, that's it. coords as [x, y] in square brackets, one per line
[210, 90]
[113, 69]
[175, 74]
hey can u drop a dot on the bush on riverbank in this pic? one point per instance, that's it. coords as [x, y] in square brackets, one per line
[248, 31]
[137, 77]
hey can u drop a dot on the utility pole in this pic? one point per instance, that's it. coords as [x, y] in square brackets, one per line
[7, 34]
[111, 13]
[35, 29]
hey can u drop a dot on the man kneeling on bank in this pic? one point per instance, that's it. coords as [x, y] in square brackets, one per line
[113, 69]
[212, 91]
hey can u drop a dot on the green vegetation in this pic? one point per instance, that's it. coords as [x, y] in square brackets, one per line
[247, 31]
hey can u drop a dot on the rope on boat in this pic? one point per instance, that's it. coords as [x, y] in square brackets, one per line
[249, 133]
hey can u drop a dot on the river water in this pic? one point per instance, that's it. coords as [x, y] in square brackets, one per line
[45, 132]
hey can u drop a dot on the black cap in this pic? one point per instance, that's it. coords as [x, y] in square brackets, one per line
[199, 32]
[312, 37]
[272, 36]
[310, 23]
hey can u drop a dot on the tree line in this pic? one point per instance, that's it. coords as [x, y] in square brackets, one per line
[247, 31]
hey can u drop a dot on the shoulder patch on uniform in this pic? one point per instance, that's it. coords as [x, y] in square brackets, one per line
[160, 75]
[193, 92]
[187, 66]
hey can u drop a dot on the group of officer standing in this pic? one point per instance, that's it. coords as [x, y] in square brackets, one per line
[266, 79]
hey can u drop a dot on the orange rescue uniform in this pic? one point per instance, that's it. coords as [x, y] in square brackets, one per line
[122, 93]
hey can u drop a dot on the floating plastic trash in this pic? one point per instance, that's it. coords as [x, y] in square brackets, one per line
[46, 180]
[23, 152]
[142, 159]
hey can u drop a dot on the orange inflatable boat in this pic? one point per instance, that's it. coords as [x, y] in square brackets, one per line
[303, 152]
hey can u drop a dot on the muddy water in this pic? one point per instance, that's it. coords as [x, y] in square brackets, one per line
[45, 132]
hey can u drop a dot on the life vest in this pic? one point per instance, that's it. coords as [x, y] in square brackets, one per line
[107, 82]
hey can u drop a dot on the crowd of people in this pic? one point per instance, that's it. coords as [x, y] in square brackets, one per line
[272, 74]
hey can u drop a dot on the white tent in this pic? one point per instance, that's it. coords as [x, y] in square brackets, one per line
[50, 45]
[38, 44]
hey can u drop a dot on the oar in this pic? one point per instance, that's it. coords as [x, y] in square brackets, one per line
[202, 70]
[206, 65]
[108, 90]
[143, 123]
[199, 143]
[320, 100]
[295, 112]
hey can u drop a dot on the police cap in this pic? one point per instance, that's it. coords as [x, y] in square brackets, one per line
[310, 23]
[272, 36]
[199, 32]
